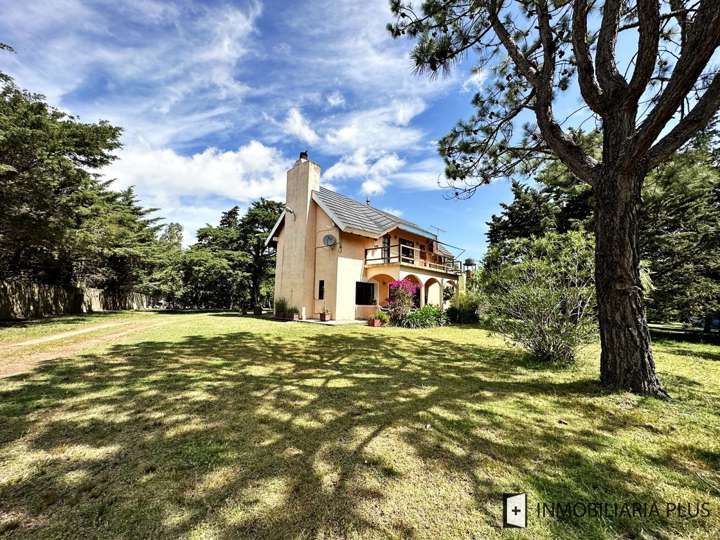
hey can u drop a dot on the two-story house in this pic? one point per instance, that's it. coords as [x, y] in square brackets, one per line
[338, 255]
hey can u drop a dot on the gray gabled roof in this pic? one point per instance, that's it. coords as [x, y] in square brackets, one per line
[359, 218]
[354, 216]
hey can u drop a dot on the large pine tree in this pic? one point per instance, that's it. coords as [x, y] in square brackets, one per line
[648, 102]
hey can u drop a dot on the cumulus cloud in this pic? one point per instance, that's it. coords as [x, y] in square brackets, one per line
[215, 180]
[360, 163]
[381, 128]
[295, 124]
[426, 174]
[373, 186]
[253, 170]
[475, 81]
[375, 169]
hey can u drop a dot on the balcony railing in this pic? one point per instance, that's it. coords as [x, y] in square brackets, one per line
[412, 256]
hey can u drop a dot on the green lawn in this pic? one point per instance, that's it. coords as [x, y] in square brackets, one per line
[11, 332]
[217, 426]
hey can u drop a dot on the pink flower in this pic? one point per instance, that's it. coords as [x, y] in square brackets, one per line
[409, 286]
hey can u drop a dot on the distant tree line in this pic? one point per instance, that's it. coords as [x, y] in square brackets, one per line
[61, 223]
[229, 267]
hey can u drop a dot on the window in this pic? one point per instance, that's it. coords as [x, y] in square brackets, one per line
[386, 248]
[321, 289]
[407, 251]
[364, 293]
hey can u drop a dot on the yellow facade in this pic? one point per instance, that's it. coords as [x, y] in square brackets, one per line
[304, 259]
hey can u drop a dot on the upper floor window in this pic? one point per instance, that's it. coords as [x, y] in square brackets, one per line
[407, 251]
[321, 289]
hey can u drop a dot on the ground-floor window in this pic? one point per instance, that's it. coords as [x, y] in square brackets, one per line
[364, 293]
[321, 289]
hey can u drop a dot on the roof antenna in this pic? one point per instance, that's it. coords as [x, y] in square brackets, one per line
[367, 200]
[438, 230]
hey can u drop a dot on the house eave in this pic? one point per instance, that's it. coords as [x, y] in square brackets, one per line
[273, 232]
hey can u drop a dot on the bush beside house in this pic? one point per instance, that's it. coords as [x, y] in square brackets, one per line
[402, 313]
[541, 293]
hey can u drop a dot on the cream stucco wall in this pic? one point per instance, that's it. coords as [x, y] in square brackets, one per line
[326, 264]
[295, 265]
[351, 268]
[433, 292]
[303, 259]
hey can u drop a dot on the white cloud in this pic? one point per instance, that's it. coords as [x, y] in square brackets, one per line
[393, 211]
[296, 124]
[373, 130]
[348, 31]
[165, 179]
[183, 64]
[375, 169]
[475, 81]
[335, 99]
[423, 174]
[252, 171]
[360, 164]
[373, 186]
[188, 80]
[193, 217]
[405, 111]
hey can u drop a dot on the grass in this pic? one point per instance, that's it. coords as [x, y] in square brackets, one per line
[215, 426]
[13, 331]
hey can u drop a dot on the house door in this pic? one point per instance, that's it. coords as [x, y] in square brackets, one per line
[407, 253]
[386, 248]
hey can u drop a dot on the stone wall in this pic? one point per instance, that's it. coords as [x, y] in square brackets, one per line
[26, 300]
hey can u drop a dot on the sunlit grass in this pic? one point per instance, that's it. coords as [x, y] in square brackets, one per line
[221, 426]
[13, 331]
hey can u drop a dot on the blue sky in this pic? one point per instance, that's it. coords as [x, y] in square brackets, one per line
[217, 99]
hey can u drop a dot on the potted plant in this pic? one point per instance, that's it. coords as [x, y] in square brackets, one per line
[380, 318]
[325, 314]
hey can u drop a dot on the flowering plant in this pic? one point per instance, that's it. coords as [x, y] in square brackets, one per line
[401, 298]
[405, 284]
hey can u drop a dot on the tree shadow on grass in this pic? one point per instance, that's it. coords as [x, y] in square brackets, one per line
[57, 320]
[255, 435]
[713, 356]
[682, 335]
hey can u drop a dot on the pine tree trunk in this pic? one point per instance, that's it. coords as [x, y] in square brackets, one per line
[626, 361]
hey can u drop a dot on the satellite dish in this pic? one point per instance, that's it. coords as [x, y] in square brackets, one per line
[329, 240]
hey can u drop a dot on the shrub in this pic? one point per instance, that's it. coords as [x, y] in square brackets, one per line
[401, 299]
[464, 308]
[541, 294]
[426, 317]
[281, 307]
[382, 317]
[293, 311]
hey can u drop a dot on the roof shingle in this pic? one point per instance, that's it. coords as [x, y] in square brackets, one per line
[363, 217]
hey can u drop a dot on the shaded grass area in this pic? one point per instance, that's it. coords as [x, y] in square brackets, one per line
[221, 427]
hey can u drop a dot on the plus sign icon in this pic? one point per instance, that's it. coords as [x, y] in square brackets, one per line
[515, 510]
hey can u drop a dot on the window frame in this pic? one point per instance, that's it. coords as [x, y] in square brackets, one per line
[371, 286]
